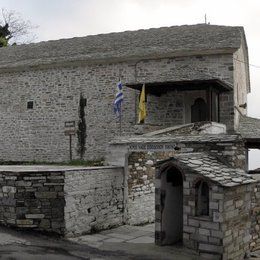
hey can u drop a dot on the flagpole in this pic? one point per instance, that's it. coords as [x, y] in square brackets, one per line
[118, 105]
[120, 121]
[120, 112]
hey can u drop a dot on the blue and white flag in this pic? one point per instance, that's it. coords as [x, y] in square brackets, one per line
[118, 100]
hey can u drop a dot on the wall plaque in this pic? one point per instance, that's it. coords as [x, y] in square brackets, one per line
[152, 147]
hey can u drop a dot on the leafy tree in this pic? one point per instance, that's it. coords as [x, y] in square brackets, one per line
[14, 29]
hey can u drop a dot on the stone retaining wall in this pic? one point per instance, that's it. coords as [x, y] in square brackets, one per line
[94, 199]
[60, 199]
[32, 200]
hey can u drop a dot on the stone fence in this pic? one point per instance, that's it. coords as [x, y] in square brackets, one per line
[94, 199]
[63, 200]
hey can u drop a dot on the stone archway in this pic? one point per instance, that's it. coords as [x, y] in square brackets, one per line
[169, 206]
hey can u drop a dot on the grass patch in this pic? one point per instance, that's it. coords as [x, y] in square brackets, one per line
[70, 163]
[86, 163]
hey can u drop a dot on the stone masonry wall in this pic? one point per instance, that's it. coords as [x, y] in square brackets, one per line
[33, 200]
[255, 219]
[202, 233]
[141, 173]
[225, 232]
[38, 133]
[141, 190]
[190, 68]
[94, 199]
[231, 153]
[174, 108]
[165, 110]
[236, 221]
[241, 83]
[66, 201]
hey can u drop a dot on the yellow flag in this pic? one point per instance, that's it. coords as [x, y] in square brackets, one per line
[142, 106]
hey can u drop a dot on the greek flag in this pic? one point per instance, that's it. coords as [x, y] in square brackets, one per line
[118, 100]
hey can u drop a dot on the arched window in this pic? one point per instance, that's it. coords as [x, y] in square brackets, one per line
[202, 198]
[199, 111]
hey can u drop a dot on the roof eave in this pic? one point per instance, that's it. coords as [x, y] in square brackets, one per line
[87, 60]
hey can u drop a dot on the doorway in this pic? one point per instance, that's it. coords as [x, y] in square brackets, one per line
[171, 206]
[199, 111]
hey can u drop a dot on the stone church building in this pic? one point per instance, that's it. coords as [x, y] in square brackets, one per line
[185, 168]
[185, 68]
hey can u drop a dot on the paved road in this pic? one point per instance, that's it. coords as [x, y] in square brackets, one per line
[122, 243]
[18, 245]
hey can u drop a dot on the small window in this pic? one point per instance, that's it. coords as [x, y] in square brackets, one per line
[83, 102]
[202, 198]
[30, 105]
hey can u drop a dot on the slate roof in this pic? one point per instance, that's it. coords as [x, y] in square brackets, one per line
[197, 138]
[249, 127]
[211, 168]
[195, 128]
[156, 42]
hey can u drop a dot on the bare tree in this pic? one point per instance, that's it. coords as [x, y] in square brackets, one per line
[14, 29]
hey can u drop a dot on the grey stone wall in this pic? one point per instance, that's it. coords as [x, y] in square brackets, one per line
[38, 133]
[226, 113]
[241, 82]
[202, 233]
[171, 108]
[32, 200]
[225, 232]
[140, 171]
[68, 201]
[94, 199]
[186, 68]
[236, 221]
[233, 153]
[165, 110]
[141, 176]
[229, 149]
[255, 218]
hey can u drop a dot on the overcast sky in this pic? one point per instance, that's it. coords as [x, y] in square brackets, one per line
[69, 18]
